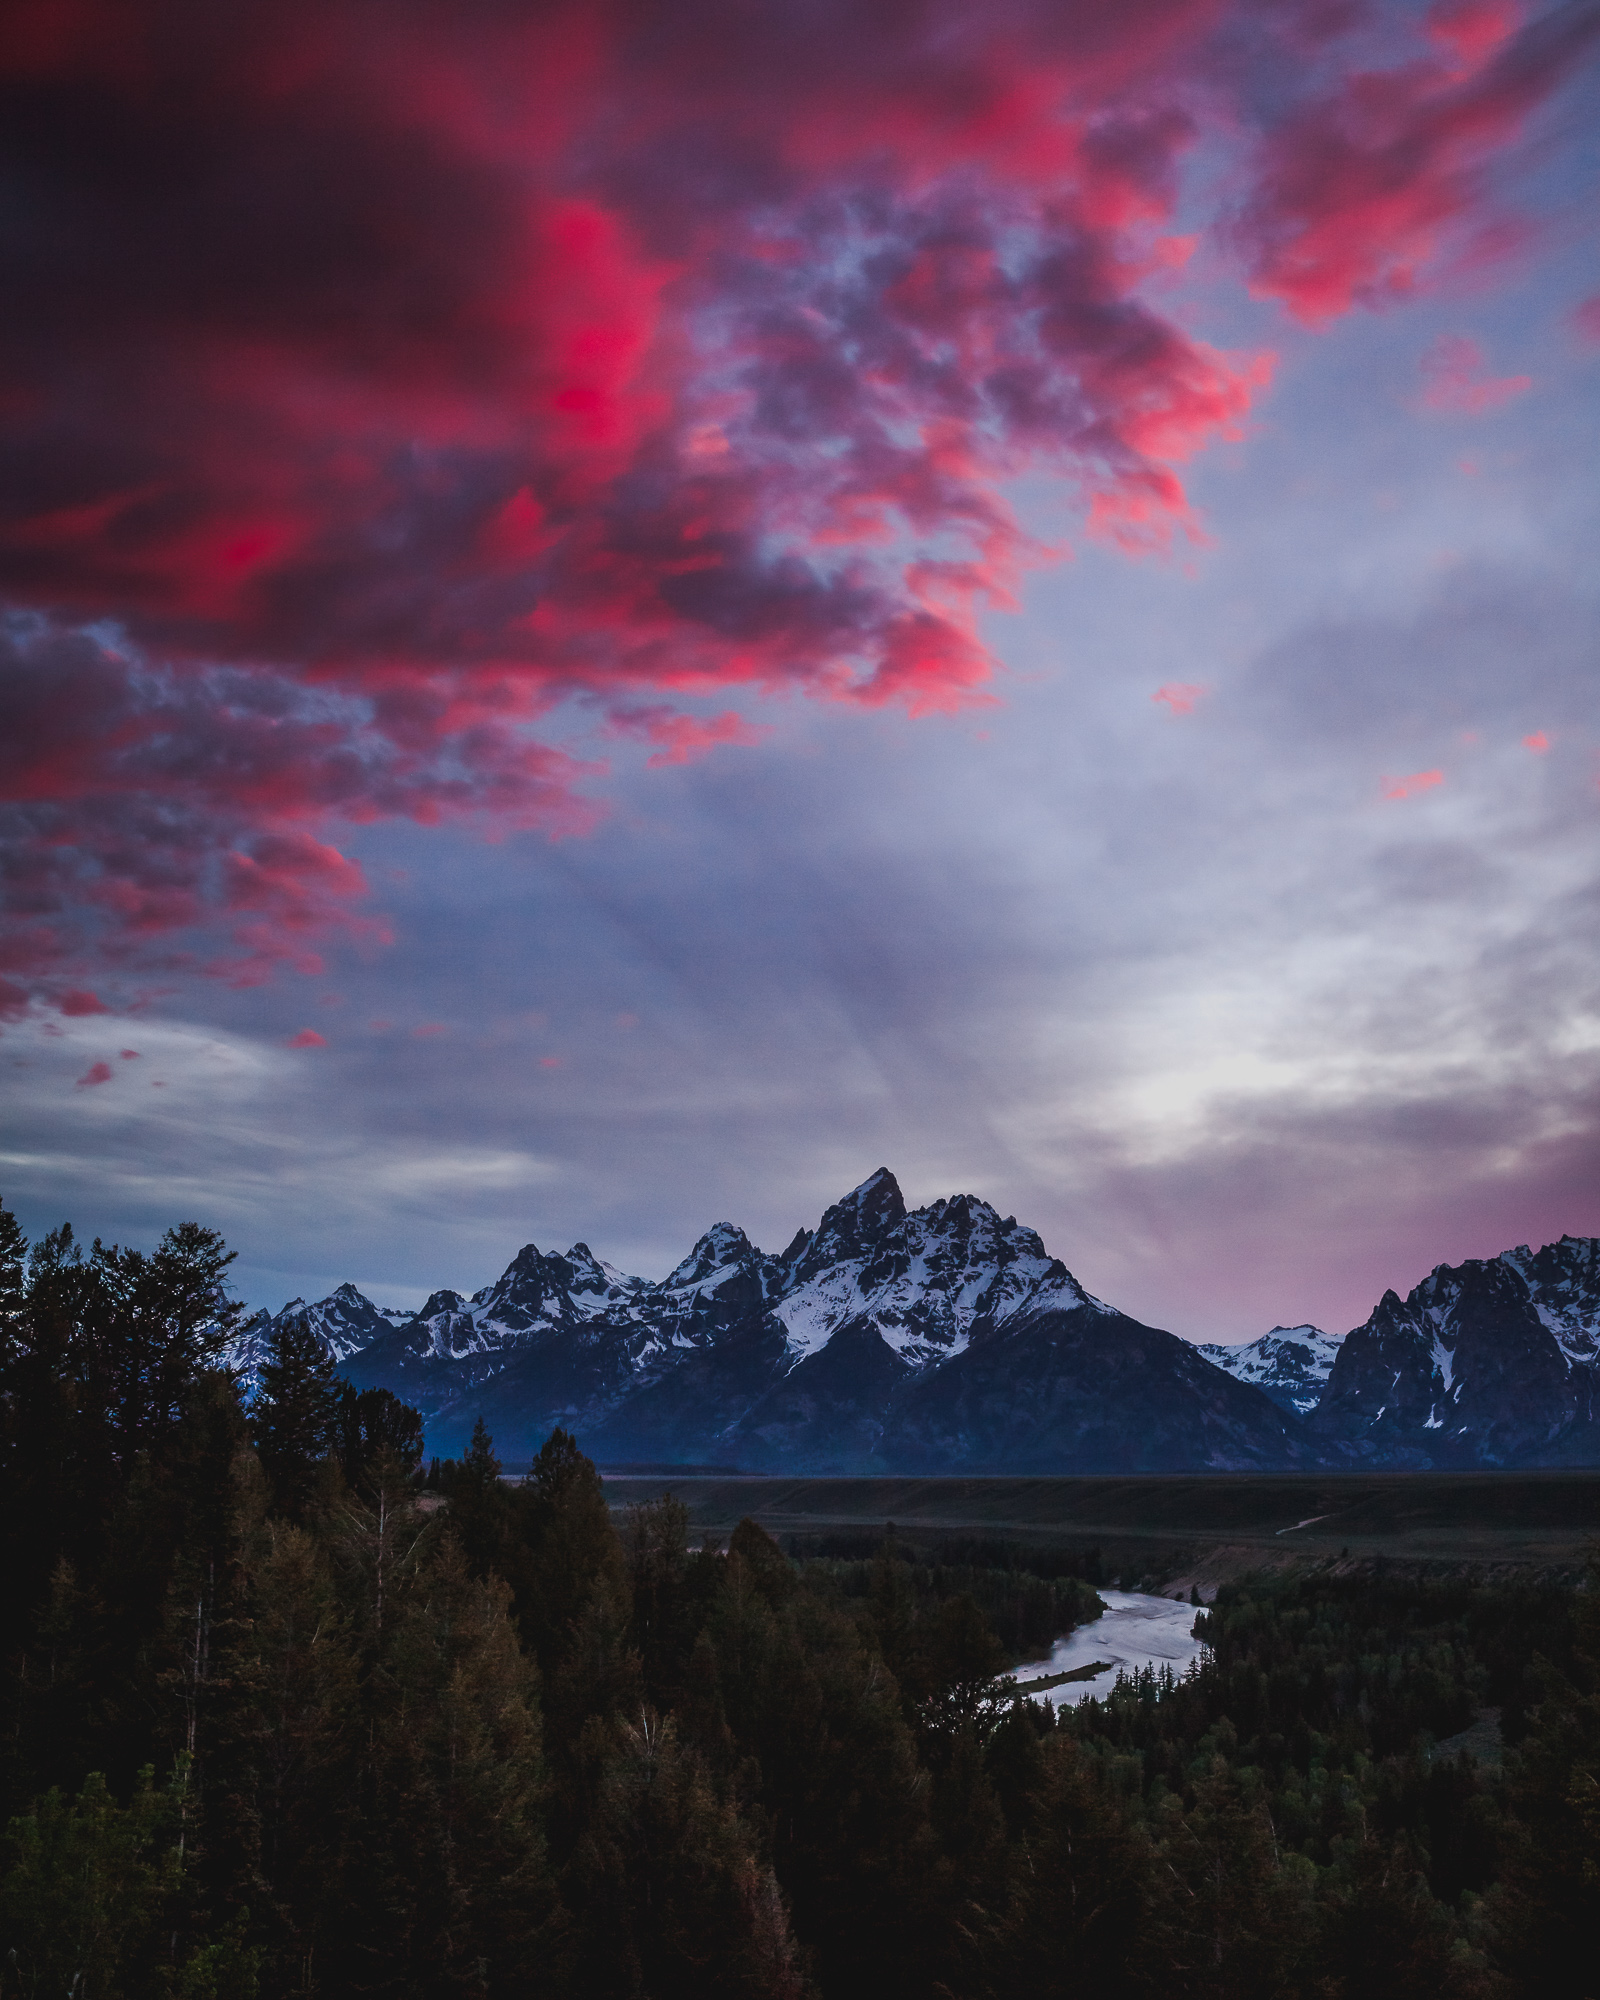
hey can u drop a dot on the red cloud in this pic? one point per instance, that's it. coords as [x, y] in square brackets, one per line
[384, 387]
[1586, 320]
[1538, 742]
[1180, 696]
[308, 1038]
[76, 1001]
[129, 1055]
[99, 1072]
[1365, 186]
[1409, 788]
[1455, 378]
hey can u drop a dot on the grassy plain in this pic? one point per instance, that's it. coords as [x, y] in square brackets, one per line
[1182, 1528]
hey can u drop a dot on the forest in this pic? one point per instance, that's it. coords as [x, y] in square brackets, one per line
[290, 1710]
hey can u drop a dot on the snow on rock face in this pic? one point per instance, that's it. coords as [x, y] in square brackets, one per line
[1491, 1361]
[346, 1322]
[930, 1281]
[1292, 1364]
[1494, 1361]
[1563, 1282]
[720, 1251]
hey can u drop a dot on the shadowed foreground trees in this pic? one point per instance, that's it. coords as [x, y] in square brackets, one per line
[280, 1714]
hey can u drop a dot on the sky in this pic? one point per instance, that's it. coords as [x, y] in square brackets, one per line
[612, 616]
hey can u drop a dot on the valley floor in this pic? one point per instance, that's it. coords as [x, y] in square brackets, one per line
[1173, 1531]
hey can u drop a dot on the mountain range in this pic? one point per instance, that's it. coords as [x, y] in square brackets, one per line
[947, 1339]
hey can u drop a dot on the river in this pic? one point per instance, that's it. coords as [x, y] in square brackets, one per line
[1133, 1633]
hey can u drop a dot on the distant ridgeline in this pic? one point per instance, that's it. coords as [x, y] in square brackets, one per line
[947, 1339]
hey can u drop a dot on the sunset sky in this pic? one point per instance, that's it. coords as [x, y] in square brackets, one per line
[617, 614]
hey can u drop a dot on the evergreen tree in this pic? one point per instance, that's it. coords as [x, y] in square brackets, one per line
[294, 1420]
[84, 1885]
[373, 1422]
[1084, 1894]
[1547, 1909]
[671, 1899]
[449, 1890]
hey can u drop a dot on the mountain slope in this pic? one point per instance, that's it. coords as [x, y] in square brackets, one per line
[1086, 1390]
[1489, 1362]
[1291, 1364]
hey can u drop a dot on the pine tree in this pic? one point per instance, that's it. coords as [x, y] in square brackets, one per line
[294, 1421]
[1078, 1923]
[669, 1895]
[448, 1889]
[373, 1422]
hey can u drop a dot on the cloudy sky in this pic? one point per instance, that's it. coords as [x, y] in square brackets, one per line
[617, 614]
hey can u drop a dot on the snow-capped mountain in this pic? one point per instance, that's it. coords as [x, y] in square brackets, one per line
[811, 1359]
[947, 1338]
[1488, 1362]
[1291, 1364]
[347, 1321]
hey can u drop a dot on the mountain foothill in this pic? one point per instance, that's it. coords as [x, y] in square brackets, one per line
[947, 1339]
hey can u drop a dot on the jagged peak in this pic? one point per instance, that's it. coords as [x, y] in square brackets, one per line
[876, 1203]
[441, 1301]
[723, 1243]
[878, 1190]
[591, 1272]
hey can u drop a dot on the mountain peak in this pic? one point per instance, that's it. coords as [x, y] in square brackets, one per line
[443, 1300]
[878, 1202]
[855, 1226]
[724, 1243]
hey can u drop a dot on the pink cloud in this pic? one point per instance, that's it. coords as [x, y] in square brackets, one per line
[684, 737]
[1473, 29]
[99, 1072]
[429, 1030]
[1180, 696]
[655, 372]
[1586, 320]
[1412, 786]
[549, 1062]
[129, 1055]
[77, 1001]
[1455, 378]
[1538, 742]
[1364, 189]
[308, 1038]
